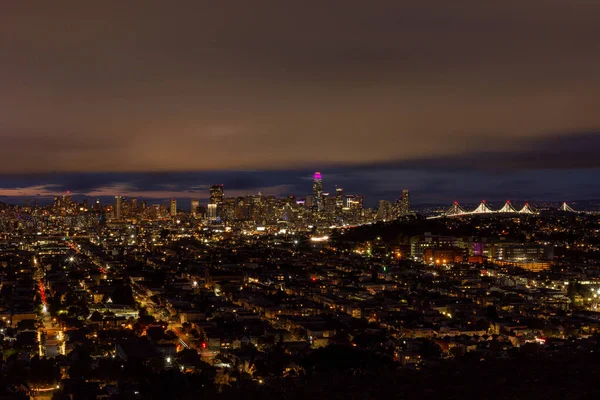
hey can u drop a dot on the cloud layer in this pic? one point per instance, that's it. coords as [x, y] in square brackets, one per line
[270, 85]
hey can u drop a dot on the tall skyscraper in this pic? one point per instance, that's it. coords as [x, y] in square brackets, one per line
[339, 198]
[384, 210]
[66, 200]
[309, 202]
[211, 212]
[173, 207]
[228, 209]
[118, 207]
[402, 206]
[318, 190]
[217, 195]
[194, 206]
[354, 202]
[405, 202]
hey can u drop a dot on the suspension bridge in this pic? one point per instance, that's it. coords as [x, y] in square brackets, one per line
[456, 210]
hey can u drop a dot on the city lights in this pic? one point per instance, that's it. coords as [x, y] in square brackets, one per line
[283, 200]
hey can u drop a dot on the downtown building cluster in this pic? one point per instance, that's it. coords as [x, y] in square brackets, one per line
[320, 209]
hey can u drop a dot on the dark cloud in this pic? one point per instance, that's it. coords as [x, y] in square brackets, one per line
[265, 85]
[577, 150]
[454, 100]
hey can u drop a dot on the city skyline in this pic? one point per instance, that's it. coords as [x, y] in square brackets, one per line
[212, 196]
[374, 184]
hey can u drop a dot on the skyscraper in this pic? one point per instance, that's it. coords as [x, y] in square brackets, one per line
[66, 200]
[194, 206]
[211, 212]
[228, 209]
[217, 195]
[318, 190]
[339, 197]
[405, 204]
[173, 207]
[118, 200]
[384, 210]
[309, 201]
[402, 206]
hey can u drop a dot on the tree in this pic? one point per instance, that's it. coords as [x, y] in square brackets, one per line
[123, 294]
[335, 359]
[430, 350]
[43, 371]
[96, 316]
[191, 358]
[82, 365]
[491, 313]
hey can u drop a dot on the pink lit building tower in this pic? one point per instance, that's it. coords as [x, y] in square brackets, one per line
[318, 190]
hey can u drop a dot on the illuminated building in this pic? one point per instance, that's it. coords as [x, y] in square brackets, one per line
[270, 206]
[309, 202]
[228, 209]
[528, 256]
[405, 203]
[339, 198]
[211, 212]
[173, 207]
[243, 208]
[66, 200]
[163, 210]
[419, 244]
[194, 206]
[402, 206]
[384, 210]
[318, 190]
[258, 208]
[329, 204]
[440, 256]
[354, 202]
[217, 195]
[134, 205]
[118, 207]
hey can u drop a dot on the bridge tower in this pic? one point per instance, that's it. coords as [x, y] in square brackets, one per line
[566, 207]
[508, 208]
[482, 208]
[526, 209]
[455, 209]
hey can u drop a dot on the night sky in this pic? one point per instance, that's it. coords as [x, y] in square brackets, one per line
[455, 100]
